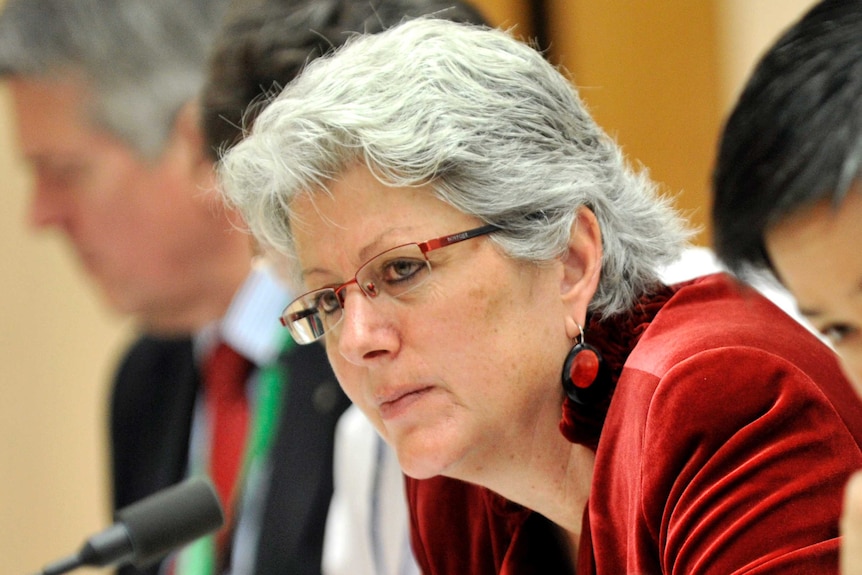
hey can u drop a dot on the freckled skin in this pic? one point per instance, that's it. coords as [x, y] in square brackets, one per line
[484, 338]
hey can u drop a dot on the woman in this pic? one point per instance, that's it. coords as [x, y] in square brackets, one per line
[466, 234]
[787, 188]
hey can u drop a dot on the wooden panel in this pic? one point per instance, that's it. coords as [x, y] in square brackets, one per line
[649, 73]
[58, 347]
[507, 13]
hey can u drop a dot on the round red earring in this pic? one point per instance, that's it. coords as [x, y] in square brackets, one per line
[581, 370]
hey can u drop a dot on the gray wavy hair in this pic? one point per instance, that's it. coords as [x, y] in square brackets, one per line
[141, 59]
[485, 121]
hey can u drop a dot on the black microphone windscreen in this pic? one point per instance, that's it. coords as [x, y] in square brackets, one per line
[171, 518]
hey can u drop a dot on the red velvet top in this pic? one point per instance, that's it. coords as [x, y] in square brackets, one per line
[724, 449]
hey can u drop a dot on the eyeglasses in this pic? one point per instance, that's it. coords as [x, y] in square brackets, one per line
[394, 273]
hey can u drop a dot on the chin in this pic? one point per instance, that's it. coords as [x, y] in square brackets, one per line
[421, 471]
[426, 457]
[118, 299]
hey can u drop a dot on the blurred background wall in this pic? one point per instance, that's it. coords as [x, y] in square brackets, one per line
[658, 76]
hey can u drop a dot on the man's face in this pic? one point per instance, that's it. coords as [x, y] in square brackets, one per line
[144, 229]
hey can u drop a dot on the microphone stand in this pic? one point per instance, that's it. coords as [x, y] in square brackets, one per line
[62, 566]
[149, 529]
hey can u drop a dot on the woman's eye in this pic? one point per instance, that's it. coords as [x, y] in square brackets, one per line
[400, 270]
[328, 303]
[839, 332]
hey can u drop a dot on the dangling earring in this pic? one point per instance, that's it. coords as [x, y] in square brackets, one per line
[581, 372]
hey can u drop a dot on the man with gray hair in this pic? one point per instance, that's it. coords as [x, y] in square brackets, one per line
[105, 99]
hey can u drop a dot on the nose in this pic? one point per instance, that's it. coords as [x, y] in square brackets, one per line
[48, 207]
[365, 334]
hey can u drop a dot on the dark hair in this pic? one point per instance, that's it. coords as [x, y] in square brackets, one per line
[264, 47]
[794, 136]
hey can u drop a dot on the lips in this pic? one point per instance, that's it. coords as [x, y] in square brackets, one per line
[400, 401]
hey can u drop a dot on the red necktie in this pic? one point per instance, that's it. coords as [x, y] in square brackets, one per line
[224, 376]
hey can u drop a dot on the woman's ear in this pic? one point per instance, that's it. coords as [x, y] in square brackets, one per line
[582, 265]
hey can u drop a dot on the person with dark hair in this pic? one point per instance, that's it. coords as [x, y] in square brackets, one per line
[788, 188]
[267, 45]
[105, 94]
[786, 179]
[259, 50]
[484, 269]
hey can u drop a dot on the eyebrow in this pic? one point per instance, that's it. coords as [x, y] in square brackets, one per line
[303, 274]
[809, 312]
[366, 253]
[374, 247]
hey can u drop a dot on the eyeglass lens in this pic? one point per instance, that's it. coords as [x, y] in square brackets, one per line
[394, 273]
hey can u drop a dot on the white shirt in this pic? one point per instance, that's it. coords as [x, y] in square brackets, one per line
[367, 529]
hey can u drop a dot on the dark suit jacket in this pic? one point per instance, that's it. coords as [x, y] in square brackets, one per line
[152, 405]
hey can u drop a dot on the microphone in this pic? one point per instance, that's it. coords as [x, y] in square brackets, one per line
[147, 530]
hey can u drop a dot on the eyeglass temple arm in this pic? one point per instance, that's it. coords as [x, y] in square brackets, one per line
[455, 238]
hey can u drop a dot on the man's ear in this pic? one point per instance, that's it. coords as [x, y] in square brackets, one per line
[188, 146]
[188, 136]
[582, 267]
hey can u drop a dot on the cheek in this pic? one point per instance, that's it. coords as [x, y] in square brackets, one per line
[851, 361]
[472, 320]
[347, 374]
[499, 331]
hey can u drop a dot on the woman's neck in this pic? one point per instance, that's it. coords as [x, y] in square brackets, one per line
[547, 474]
